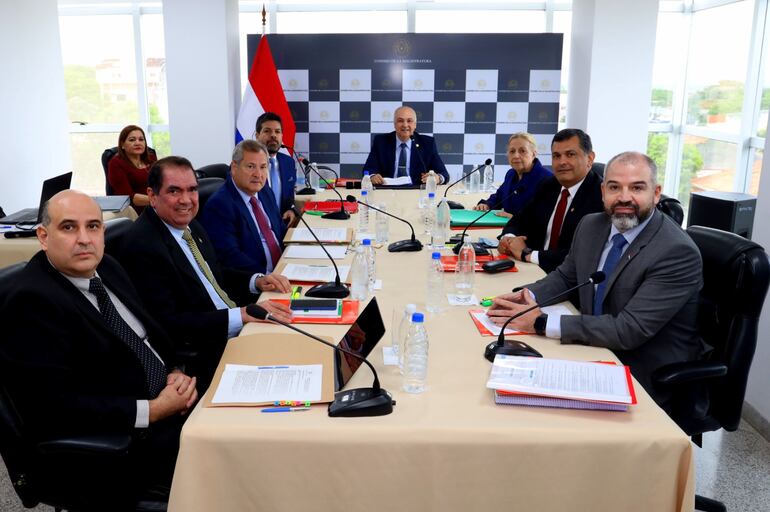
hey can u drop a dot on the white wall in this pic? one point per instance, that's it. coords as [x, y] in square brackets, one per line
[203, 73]
[34, 127]
[610, 76]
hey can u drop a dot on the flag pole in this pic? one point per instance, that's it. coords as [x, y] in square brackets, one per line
[264, 19]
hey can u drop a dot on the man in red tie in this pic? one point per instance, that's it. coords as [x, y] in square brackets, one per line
[542, 233]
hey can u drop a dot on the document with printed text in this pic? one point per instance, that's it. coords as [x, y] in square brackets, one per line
[244, 384]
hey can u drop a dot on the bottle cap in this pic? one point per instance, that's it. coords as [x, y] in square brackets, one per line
[364, 192]
[366, 173]
[436, 256]
[431, 194]
[366, 241]
[418, 317]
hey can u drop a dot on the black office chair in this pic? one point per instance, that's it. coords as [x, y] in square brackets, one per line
[114, 232]
[107, 155]
[598, 168]
[213, 171]
[671, 207]
[206, 188]
[708, 394]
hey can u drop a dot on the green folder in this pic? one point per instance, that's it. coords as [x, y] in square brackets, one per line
[465, 217]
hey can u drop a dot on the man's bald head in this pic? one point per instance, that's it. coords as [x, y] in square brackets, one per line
[405, 122]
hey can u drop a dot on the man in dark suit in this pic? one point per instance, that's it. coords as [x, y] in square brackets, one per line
[282, 175]
[174, 266]
[646, 309]
[404, 152]
[241, 217]
[542, 233]
[79, 353]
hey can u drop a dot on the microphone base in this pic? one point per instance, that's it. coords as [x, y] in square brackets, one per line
[510, 348]
[405, 246]
[454, 205]
[329, 290]
[361, 402]
[480, 250]
[307, 191]
[338, 215]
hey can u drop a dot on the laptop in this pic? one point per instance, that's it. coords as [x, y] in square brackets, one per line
[360, 339]
[51, 187]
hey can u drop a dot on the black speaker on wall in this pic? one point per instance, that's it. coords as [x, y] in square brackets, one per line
[728, 211]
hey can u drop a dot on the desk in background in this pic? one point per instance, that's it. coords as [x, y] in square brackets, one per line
[450, 448]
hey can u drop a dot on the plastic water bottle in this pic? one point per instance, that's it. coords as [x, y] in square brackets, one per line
[489, 178]
[465, 271]
[441, 225]
[370, 263]
[402, 329]
[300, 183]
[431, 183]
[363, 212]
[435, 298]
[359, 276]
[315, 179]
[474, 184]
[429, 215]
[366, 184]
[416, 356]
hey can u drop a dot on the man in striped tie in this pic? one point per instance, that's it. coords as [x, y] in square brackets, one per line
[173, 264]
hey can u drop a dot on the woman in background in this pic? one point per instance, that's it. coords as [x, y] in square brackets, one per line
[128, 170]
[522, 178]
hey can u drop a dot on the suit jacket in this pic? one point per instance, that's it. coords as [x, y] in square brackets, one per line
[233, 232]
[532, 221]
[382, 157]
[288, 170]
[650, 301]
[66, 369]
[521, 191]
[169, 286]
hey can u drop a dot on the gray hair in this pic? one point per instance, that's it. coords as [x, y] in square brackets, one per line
[248, 145]
[629, 157]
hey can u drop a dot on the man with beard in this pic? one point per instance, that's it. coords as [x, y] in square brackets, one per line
[282, 173]
[645, 309]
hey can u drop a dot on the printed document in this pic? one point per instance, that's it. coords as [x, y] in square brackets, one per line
[314, 252]
[244, 384]
[313, 273]
[323, 234]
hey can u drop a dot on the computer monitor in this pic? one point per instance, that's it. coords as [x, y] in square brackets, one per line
[360, 339]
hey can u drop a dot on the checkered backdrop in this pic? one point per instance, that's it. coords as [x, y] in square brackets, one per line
[470, 91]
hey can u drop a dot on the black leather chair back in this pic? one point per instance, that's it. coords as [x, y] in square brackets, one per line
[671, 207]
[107, 155]
[736, 274]
[114, 232]
[213, 171]
[206, 188]
[598, 168]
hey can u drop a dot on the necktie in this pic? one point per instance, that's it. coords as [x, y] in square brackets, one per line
[613, 257]
[275, 182]
[264, 227]
[558, 219]
[187, 237]
[154, 370]
[402, 161]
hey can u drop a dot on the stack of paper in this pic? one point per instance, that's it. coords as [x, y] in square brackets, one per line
[559, 383]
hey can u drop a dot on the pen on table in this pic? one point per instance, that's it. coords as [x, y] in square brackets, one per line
[295, 291]
[286, 409]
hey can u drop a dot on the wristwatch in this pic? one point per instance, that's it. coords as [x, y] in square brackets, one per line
[540, 323]
[525, 252]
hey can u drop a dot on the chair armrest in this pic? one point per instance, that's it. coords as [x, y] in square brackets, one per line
[87, 445]
[689, 371]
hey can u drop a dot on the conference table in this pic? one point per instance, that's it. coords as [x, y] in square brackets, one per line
[450, 448]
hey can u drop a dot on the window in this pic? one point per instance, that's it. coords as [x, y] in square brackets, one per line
[477, 21]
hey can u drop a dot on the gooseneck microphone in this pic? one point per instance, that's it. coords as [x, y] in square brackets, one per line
[487, 162]
[419, 153]
[330, 290]
[308, 190]
[338, 215]
[410, 245]
[373, 401]
[512, 347]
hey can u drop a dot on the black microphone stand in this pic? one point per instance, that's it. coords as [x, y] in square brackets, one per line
[488, 161]
[512, 347]
[373, 401]
[330, 290]
[410, 245]
[342, 214]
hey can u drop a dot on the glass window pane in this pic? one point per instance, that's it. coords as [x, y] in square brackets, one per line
[99, 69]
[562, 24]
[717, 63]
[341, 22]
[756, 171]
[670, 60]
[707, 165]
[87, 148]
[657, 149]
[154, 50]
[160, 141]
[508, 21]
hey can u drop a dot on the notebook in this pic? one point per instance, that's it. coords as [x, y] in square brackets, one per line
[51, 187]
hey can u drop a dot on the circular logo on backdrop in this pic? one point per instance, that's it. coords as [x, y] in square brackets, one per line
[354, 146]
[543, 116]
[545, 84]
[293, 83]
[481, 84]
[480, 115]
[386, 82]
[449, 115]
[446, 147]
[512, 115]
[355, 83]
[541, 148]
[513, 83]
[324, 115]
[418, 84]
[323, 83]
[354, 115]
[323, 146]
[449, 83]
[386, 114]
[401, 47]
[479, 147]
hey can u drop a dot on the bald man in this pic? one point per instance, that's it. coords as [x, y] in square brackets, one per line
[81, 356]
[404, 152]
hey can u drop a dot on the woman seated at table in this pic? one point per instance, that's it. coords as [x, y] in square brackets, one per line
[128, 170]
[525, 174]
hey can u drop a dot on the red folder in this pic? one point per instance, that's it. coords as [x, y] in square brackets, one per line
[330, 206]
